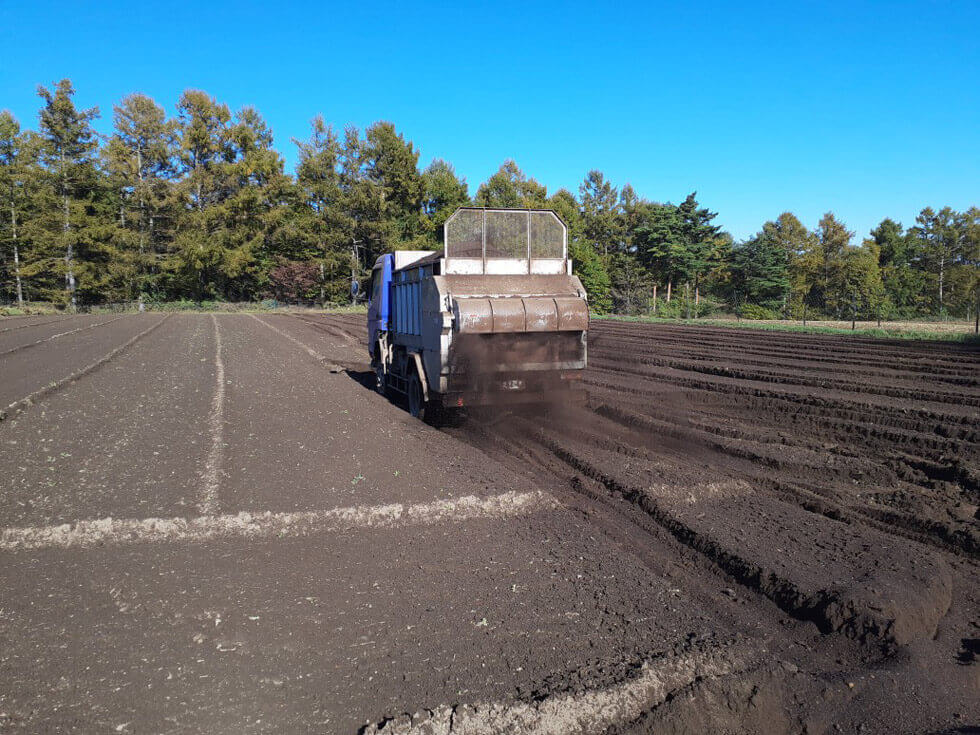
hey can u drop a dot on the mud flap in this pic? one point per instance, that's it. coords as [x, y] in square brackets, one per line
[421, 372]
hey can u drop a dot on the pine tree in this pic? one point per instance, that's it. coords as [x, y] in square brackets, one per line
[660, 242]
[140, 160]
[205, 151]
[391, 163]
[761, 269]
[250, 215]
[602, 216]
[510, 187]
[364, 232]
[701, 239]
[591, 269]
[443, 193]
[817, 266]
[629, 204]
[64, 232]
[319, 218]
[12, 198]
[941, 240]
[904, 282]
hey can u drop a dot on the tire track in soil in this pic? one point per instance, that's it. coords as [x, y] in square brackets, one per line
[285, 335]
[327, 328]
[884, 619]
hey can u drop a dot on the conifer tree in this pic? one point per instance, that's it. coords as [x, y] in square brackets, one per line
[660, 242]
[319, 220]
[941, 241]
[64, 232]
[13, 169]
[141, 160]
[251, 221]
[364, 230]
[204, 153]
[443, 193]
[391, 164]
[761, 265]
[601, 213]
[834, 282]
[904, 283]
[510, 187]
[591, 269]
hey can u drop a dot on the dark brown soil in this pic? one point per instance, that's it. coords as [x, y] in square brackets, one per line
[810, 502]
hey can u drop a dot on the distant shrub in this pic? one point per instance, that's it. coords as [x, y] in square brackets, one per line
[30, 308]
[754, 311]
[708, 308]
[678, 308]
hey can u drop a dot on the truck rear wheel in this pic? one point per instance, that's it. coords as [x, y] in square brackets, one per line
[416, 399]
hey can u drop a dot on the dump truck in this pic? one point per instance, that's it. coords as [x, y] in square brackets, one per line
[493, 318]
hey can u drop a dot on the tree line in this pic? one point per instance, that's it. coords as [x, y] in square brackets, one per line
[200, 207]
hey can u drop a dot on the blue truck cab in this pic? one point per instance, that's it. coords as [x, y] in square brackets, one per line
[379, 307]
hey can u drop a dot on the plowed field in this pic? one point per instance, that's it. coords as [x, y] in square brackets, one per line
[213, 524]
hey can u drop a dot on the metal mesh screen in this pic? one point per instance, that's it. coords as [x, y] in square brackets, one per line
[547, 236]
[507, 235]
[464, 235]
[510, 234]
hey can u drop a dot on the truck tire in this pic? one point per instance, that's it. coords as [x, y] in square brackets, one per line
[416, 399]
[380, 380]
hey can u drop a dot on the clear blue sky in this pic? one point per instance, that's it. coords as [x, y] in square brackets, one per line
[868, 109]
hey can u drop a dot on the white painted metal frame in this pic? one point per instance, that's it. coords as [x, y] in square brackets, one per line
[505, 265]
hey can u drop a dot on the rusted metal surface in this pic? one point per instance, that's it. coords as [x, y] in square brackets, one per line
[513, 285]
[508, 304]
[573, 314]
[508, 315]
[541, 315]
[473, 316]
[513, 314]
